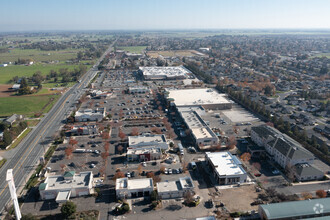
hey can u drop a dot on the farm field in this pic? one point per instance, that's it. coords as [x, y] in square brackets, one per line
[38, 55]
[327, 55]
[26, 105]
[134, 49]
[174, 53]
[7, 73]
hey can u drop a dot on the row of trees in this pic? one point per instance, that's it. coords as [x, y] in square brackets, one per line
[10, 133]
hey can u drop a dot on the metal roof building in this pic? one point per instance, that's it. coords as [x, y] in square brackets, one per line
[305, 209]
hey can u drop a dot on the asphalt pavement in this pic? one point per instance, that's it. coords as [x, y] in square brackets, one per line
[27, 154]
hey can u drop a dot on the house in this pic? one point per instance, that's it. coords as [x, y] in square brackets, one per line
[307, 172]
[147, 141]
[67, 186]
[226, 168]
[175, 189]
[90, 115]
[304, 209]
[16, 87]
[143, 154]
[133, 188]
[10, 120]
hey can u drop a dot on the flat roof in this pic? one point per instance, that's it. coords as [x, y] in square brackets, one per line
[194, 97]
[169, 71]
[225, 163]
[153, 138]
[125, 183]
[180, 184]
[58, 182]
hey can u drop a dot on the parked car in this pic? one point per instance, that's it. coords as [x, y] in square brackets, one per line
[132, 174]
[144, 164]
[92, 165]
[275, 172]
[169, 171]
[128, 174]
[257, 174]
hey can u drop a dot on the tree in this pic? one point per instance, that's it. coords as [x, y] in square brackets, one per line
[120, 149]
[306, 195]
[162, 169]
[156, 178]
[188, 197]
[68, 152]
[105, 135]
[246, 156]
[135, 131]
[73, 142]
[102, 170]
[231, 142]
[117, 175]
[122, 135]
[139, 169]
[106, 147]
[62, 167]
[80, 55]
[68, 209]
[7, 138]
[154, 196]
[104, 156]
[28, 217]
[321, 193]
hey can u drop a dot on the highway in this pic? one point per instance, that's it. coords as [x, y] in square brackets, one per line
[27, 154]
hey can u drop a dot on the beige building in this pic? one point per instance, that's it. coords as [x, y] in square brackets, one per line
[133, 188]
[175, 189]
[67, 186]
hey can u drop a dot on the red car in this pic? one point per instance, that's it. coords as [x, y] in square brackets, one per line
[257, 174]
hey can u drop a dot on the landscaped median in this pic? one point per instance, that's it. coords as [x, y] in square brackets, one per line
[2, 162]
[20, 138]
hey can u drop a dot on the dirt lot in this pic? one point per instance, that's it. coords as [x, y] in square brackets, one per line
[4, 92]
[174, 53]
[246, 195]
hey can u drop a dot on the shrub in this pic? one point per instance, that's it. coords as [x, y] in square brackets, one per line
[68, 209]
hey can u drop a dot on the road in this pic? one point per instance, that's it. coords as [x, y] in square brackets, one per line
[26, 155]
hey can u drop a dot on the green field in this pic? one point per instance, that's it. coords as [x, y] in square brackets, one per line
[38, 55]
[133, 49]
[27, 105]
[7, 73]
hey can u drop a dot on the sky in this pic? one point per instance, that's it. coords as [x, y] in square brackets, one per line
[35, 15]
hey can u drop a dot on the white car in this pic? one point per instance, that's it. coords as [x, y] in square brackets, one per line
[92, 165]
[275, 172]
[144, 164]
[169, 171]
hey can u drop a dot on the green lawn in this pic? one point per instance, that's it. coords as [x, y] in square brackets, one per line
[27, 105]
[18, 140]
[38, 55]
[7, 73]
[2, 162]
[133, 49]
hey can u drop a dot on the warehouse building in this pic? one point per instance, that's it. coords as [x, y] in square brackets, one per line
[206, 97]
[164, 73]
[62, 188]
[227, 168]
[305, 209]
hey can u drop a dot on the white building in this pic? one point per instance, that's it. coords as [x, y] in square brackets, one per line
[149, 140]
[164, 73]
[227, 168]
[202, 133]
[84, 130]
[143, 154]
[139, 89]
[279, 147]
[175, 189]
[206, 97]
[67, 186]
[90, 115]
[133, 188]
